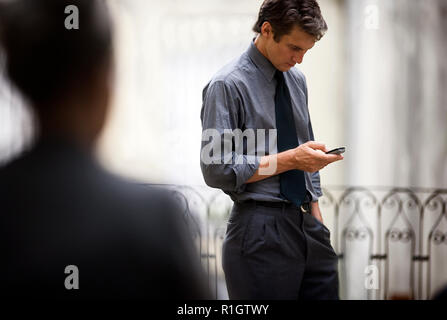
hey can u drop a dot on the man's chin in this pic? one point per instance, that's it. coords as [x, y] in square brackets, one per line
[286, 67]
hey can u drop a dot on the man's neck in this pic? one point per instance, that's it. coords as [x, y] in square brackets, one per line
[69, 122]
[260, 45]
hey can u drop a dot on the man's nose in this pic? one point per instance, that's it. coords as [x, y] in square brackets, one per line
[299, 57]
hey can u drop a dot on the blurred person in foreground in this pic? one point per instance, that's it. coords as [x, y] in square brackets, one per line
[276, 245]
[441, 294]
[58, 207]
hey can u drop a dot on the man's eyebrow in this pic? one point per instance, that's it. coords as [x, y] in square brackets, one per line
[295, 47]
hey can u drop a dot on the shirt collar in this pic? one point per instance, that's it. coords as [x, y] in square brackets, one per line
[261, 62]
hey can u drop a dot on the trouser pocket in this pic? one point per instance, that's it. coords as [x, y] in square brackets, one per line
[261, 234]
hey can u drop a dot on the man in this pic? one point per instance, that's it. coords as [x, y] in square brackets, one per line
[68, 228]
[276, 245]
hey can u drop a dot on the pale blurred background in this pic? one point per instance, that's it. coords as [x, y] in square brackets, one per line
[377, 84]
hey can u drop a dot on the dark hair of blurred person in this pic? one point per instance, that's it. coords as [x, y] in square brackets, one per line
[58, 207]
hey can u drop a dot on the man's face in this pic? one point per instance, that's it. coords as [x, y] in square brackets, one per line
[290, 50]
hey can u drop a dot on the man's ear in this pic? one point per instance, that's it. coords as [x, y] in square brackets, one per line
[267, 30]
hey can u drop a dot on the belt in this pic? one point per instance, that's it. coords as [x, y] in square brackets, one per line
[305, 207]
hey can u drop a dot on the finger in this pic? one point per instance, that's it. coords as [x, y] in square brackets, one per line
[317, 145]
[334, 157]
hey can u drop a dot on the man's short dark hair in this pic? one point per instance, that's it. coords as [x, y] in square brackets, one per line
[283, 15]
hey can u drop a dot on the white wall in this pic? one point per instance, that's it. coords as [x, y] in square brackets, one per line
[397, 106]
[168, 51]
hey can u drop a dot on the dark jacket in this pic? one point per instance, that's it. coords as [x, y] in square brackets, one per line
[58, 208]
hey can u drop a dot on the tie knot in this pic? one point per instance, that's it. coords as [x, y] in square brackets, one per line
[279, 76]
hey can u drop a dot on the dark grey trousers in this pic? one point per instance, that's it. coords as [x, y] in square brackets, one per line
[278, 254]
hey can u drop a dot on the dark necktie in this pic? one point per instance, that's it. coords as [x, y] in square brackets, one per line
[293, 185]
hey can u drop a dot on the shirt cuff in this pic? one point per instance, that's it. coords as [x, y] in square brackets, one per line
[245, 171]
[316, 194]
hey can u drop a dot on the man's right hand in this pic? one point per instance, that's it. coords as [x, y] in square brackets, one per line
[311, 156]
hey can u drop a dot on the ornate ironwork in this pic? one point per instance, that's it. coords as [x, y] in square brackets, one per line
[400, 231]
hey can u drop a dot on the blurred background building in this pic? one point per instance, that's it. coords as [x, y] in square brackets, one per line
[377, 84]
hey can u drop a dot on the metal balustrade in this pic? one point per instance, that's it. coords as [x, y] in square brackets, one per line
[391, 242]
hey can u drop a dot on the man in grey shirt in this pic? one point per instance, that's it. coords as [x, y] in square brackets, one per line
[276, 245]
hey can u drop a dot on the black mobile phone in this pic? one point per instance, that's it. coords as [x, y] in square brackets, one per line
[337, 151]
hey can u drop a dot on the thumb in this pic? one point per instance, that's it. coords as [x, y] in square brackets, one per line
[317, 145]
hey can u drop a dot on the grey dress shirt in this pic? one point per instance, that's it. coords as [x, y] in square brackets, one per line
[242, 96]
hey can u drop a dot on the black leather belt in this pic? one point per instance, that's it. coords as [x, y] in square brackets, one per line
[305, 207]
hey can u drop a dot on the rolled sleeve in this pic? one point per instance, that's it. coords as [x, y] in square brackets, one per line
[315, 176]
[245, 172]
[221, 111]
[316, 186]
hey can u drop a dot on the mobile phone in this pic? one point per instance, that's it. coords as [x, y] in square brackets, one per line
[337, 151]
